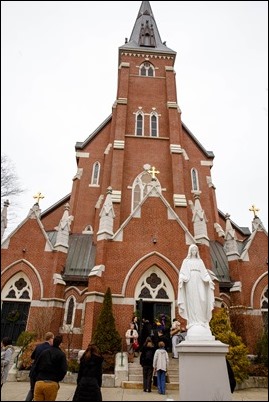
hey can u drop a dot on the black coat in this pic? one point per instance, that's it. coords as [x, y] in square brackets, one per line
[51, 365]
[231, 376]
[89, 380]
[147, 355]
[87, 390]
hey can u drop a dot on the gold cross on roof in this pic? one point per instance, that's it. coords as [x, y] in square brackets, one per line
[153, 172]
[254, 210]
[38, 197]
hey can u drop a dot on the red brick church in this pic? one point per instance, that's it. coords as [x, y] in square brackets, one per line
[141, 195]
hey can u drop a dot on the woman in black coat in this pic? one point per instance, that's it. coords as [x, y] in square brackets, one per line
[146, 361]
[89, 379]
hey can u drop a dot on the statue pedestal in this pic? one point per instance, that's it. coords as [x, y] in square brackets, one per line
[203, 374]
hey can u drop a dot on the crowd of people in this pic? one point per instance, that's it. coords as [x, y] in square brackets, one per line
[155, 340]
[49, 362]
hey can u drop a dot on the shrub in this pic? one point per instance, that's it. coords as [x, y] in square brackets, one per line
[73, 365]
[238, 352]
[262, 349]
[106, 336]
[27, 341]
[25, 338]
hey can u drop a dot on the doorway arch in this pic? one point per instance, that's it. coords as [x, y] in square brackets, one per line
[154, 294]
[16, 301]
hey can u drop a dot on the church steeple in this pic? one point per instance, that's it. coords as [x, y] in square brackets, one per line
[145, 33]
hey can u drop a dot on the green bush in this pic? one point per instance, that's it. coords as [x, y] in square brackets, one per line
[262, 349]
[238, 352]
[25, 338]
[27, 342]
[73, 365]
[106, 336]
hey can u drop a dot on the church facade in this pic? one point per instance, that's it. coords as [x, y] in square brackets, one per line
[141, 195]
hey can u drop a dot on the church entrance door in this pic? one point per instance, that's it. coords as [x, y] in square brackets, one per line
[151, 310]
[14, 319]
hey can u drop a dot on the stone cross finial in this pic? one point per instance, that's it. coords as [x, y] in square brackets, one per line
[153, 172]
[38, 197]
[254, 210]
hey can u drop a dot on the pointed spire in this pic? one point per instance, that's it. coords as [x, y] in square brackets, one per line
[257, 224]
[4, 218]
[34, 212]
[106, 218]
[145, 34]
[199, 222]
[63, 229]
[230, 245]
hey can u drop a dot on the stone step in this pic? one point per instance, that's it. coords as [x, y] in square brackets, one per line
[139, 385]
[135, 375]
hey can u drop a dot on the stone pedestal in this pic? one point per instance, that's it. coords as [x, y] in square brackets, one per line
[121, 368]
[203, 374]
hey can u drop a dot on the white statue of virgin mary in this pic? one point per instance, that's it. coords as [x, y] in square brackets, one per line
[195, 295]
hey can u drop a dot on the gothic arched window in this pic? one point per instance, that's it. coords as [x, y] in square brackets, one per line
[146, 69]
[154, 125]
[69, 316]
[70, 310]
[139, 124]
[140, 188]
[264, 307]
[194, 179]
[95, 173]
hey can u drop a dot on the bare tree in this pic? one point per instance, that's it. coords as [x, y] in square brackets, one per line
[10, 185]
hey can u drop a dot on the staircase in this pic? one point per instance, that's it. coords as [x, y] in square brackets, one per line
[135, 375]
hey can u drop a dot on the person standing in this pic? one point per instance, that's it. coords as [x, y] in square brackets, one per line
[89, 380]
[131, 335]
[160, 366]
[7, 351]
[195, 291]
[136, 323]
[182, 335]
[174, 332]
[50, 369]
[146, 330]
[34, 356]
[146, 361]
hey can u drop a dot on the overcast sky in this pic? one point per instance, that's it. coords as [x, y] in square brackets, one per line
[59, 80]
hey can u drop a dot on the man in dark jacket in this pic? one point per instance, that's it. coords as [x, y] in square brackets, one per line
[34, 356]
[50, 368]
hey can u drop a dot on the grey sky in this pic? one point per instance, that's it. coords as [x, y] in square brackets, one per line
[59, 79]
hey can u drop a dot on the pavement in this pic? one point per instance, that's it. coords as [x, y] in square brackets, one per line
[17, 391]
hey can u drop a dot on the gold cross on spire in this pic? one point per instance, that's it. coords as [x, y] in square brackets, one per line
[254, 210]
[153, 172]
[38, 197]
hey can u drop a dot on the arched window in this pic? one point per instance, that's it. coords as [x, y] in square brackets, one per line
[69, 315]
[70, 310]
[194, 179]
[140, 188]
[154, 125]
[264, 307]
[95, 173]
[146, 69]
[139, 124]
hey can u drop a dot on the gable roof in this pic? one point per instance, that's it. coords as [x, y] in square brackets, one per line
[154, 191]
[35, 215]
[244, 254]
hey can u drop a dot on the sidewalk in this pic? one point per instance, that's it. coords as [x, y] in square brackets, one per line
[17, 391]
